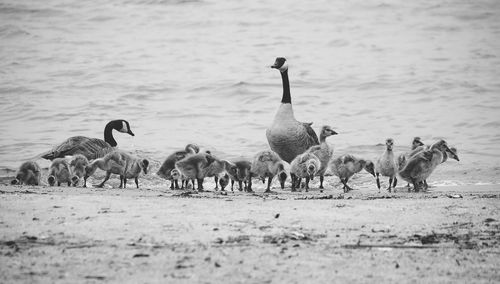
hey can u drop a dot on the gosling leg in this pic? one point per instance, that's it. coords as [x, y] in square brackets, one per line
[269, 180]
[249, 187]
[137, 182]
[378, 182]
[294, 181]
[108, 174]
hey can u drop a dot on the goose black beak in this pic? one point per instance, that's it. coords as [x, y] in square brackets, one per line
[130, 132]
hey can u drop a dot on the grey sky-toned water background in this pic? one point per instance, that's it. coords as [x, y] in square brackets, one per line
[197, 71]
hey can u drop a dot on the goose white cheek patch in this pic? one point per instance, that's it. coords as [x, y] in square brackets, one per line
[284, 67]
[124, 127]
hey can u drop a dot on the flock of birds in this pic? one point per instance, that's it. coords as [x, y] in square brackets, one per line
[295, 151]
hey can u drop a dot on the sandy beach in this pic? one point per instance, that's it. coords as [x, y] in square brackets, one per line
[152, 235]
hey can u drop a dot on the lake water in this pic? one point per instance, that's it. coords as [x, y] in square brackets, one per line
[198, 71]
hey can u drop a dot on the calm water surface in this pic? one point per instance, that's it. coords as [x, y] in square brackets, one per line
[197, 71]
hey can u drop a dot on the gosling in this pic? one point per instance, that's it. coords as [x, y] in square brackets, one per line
[386, 165]
[121, 163]
[323, 151]
[241, 172]
[28, 174]
[77, 166]
[268, 164]
[165, 171]
[195, 167]
[421, 165]
[59, 172]
[305, 166]
[216, 169]
[347, 165]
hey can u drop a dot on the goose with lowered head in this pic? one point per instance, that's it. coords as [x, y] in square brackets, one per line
[29, 174]
[287, 136]
[347, 165]
[91, 148]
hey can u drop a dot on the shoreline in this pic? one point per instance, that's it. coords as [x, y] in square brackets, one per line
[72, 234]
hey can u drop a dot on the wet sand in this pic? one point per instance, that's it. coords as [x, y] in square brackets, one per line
[51, 234]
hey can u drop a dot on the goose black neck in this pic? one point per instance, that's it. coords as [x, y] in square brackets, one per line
[108, 135]
[286, 99]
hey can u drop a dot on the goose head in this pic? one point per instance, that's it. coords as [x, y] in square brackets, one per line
[175, 174]
[389, 143]
[442, 146]
[327, 130]
[369, 167]
[192, 148]
[74, 180]
[52, 180]
[122, 126]
[280, 64]
[452, 153]
[311, 169]
[416, 143]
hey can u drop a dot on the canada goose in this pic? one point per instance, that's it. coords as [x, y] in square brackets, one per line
[169, 163]
[28, 174]
[77, 165]
[306, 166]
[287, 136]
[417, 147]
[347, 165]
[91, 148]
[194, 166]
[242, 173]
[217, 168]
[59, 172]
[420, 166]
[268, 164]
[323, 151]
[386, 165]
[121, 163]
[175, 176]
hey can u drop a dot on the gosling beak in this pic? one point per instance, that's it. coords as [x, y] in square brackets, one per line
[334, 132]
[452, 154]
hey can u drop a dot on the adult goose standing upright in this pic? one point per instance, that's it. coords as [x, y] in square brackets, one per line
[91, 148]
[287, 136]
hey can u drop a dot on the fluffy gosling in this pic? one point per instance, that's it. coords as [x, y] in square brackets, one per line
[28, 174]
[347, 165]
[305, 166]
